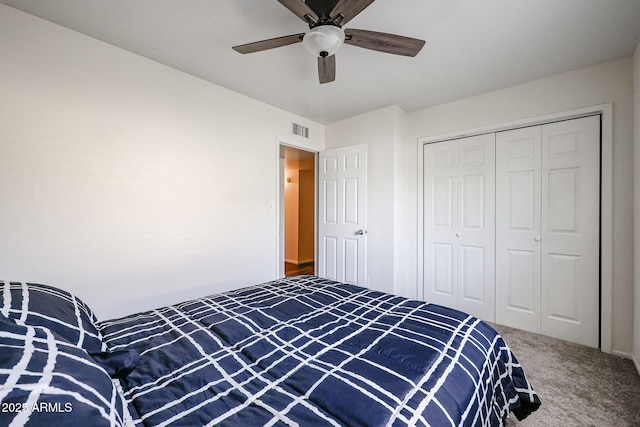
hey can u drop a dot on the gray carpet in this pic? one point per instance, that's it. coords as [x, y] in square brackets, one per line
[578, 385]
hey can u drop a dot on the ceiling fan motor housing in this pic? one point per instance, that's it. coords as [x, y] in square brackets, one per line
[323, 40]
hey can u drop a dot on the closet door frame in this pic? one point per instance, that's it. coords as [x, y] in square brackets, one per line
[606, 196]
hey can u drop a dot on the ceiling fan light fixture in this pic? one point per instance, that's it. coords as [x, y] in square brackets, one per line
[323, 40]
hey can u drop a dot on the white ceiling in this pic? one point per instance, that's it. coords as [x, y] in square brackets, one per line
[472, 46]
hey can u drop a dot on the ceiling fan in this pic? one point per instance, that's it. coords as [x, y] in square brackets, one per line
[325, 19]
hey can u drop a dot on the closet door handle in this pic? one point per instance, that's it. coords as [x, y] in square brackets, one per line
[536, 239]
[458, 234]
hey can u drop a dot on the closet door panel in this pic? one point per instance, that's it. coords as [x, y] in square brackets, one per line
[522, 278]
[473, 204]
[443, 202]
[518, 209]
[459, 224]
[441, 271]
[563, 187]
[562, 288]
[473, 274]
[521, 203]
[571, 210]
[440, 223]
[476, 232]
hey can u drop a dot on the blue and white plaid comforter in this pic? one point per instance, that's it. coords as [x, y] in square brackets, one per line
[307, 351]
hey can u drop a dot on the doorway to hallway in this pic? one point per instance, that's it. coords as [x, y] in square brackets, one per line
[299, 182]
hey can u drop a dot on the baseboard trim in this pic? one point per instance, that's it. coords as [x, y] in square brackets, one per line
[636, 363]
[622, 354]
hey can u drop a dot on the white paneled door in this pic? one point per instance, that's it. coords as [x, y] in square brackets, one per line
[570, 230]
[342, 231]
[459, 221]
[518, 227]
[547, 232]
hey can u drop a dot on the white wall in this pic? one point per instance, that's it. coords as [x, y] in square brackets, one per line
[127, 182]
[405, 207]
[636, 216]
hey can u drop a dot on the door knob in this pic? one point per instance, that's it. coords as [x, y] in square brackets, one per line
[361, 232]
[458, 234]
[537, 238]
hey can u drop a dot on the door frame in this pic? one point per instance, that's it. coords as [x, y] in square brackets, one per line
[606, 199]
[280, 214]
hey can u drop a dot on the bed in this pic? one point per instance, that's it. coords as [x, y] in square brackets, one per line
[299, 351]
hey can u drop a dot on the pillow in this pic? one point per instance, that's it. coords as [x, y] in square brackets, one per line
[45, 381]
[57, 310]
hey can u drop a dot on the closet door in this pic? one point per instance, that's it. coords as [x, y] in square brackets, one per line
[570, 230]
[518, 228]
[547, 229]
[459, 224]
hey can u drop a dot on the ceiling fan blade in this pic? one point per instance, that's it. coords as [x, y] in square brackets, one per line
[327, 69]
[345, 10]
[384, 42]
[301, 10]
[269, 44]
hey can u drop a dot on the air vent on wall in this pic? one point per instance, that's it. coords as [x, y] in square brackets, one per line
[300, 130]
